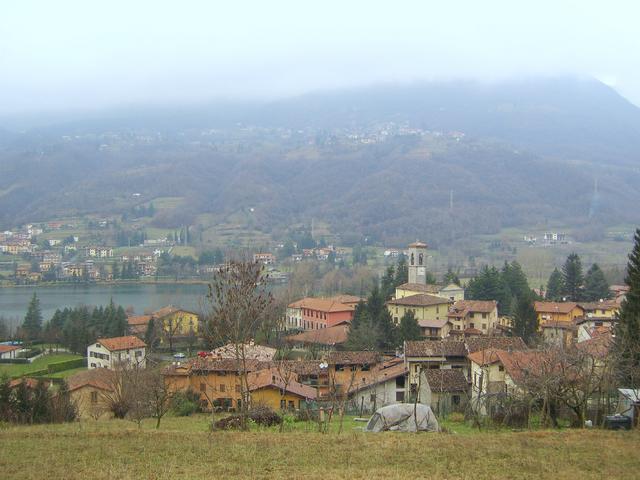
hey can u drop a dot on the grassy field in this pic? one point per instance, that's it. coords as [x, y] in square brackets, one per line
[182, 448]
[17, 369]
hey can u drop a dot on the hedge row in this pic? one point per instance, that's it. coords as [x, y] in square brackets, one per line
[36, 373]
[14, 360]
[66, 365]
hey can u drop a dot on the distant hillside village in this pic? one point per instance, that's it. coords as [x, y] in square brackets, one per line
[443, 345]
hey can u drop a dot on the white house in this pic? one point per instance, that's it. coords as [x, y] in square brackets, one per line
[116, 352]
[9, 351]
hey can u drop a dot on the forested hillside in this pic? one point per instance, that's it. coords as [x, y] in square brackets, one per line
[388, 162]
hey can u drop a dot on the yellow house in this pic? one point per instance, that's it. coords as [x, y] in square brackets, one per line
[176, 321]
[601, 309]
[219, 384]
[90, 391]
[425, 307]
[557, 311]
[479, 315]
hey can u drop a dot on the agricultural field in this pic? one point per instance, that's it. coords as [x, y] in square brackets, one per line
[184, 448]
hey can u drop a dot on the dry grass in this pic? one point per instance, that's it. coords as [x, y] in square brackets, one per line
[117, 449]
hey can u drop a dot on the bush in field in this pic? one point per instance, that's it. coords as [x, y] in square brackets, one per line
[186, 403]
[456, 417]
[306, 415]
[264, 416]
[260, 415]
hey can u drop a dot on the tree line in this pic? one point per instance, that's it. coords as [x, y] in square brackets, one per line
[73, 328]
[571, 284]
[28, 404]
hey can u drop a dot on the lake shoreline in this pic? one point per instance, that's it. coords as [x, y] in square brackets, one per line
[103, 284]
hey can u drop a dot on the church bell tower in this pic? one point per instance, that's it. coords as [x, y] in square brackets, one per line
[417, 263]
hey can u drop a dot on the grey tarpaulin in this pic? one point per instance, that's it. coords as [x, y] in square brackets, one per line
[400, 417]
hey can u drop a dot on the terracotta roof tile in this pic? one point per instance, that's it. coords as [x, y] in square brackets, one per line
[335, 335]
[554, 307]
[353, 358]
[121, 343]
[419, 300]
[272, 378]
[101, 378]
[9, 348]
[446, 380]
[326, 305]
[435, 348]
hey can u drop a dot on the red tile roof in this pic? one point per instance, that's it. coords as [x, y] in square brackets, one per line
[446, 380]
[272, 378]
[121, 343]
[462, 308]
[101, 378]
[9, 348]
[554, 307]
[326, 305]
[138, 320]
[419, 300]
[335, 335]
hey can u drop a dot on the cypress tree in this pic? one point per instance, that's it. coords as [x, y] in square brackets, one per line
[32, 325]
[402, 271]
[596, 286]
[409, 328]
[627, 330]
[525, 320]
[388, 287]
[451, 277]
[555, 286]
[572, 278]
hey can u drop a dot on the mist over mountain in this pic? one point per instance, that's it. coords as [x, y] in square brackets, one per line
[382, 161]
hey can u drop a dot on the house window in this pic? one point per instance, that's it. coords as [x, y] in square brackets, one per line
[203, 387]
[484, 315]
[283, 404]
[400, 382]
[455, 399]
[484, 326]
[238, 390]
[221, 387]
[501, 368]
[138, 353]
[94, 397]
[292, 405]
[339, 368]
[472, 325]
[365, 367]
[399, 396]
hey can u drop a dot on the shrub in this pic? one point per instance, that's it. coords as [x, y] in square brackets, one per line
[66, 365]
[306, 415]
[260, 415]
[185, 403]
[456, 417]
[265, 416]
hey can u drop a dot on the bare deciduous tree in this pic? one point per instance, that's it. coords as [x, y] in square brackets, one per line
[238, 306]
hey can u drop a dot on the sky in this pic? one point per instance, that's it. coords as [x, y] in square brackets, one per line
[58, 55]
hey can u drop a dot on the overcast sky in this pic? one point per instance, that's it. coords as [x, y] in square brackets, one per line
[93, 54]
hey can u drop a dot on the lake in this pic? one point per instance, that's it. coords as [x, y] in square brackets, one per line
[14, 301]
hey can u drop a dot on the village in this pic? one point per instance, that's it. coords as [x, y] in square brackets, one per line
[461, 357]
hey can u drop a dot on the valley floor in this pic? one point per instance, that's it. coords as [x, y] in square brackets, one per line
[182, 448]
